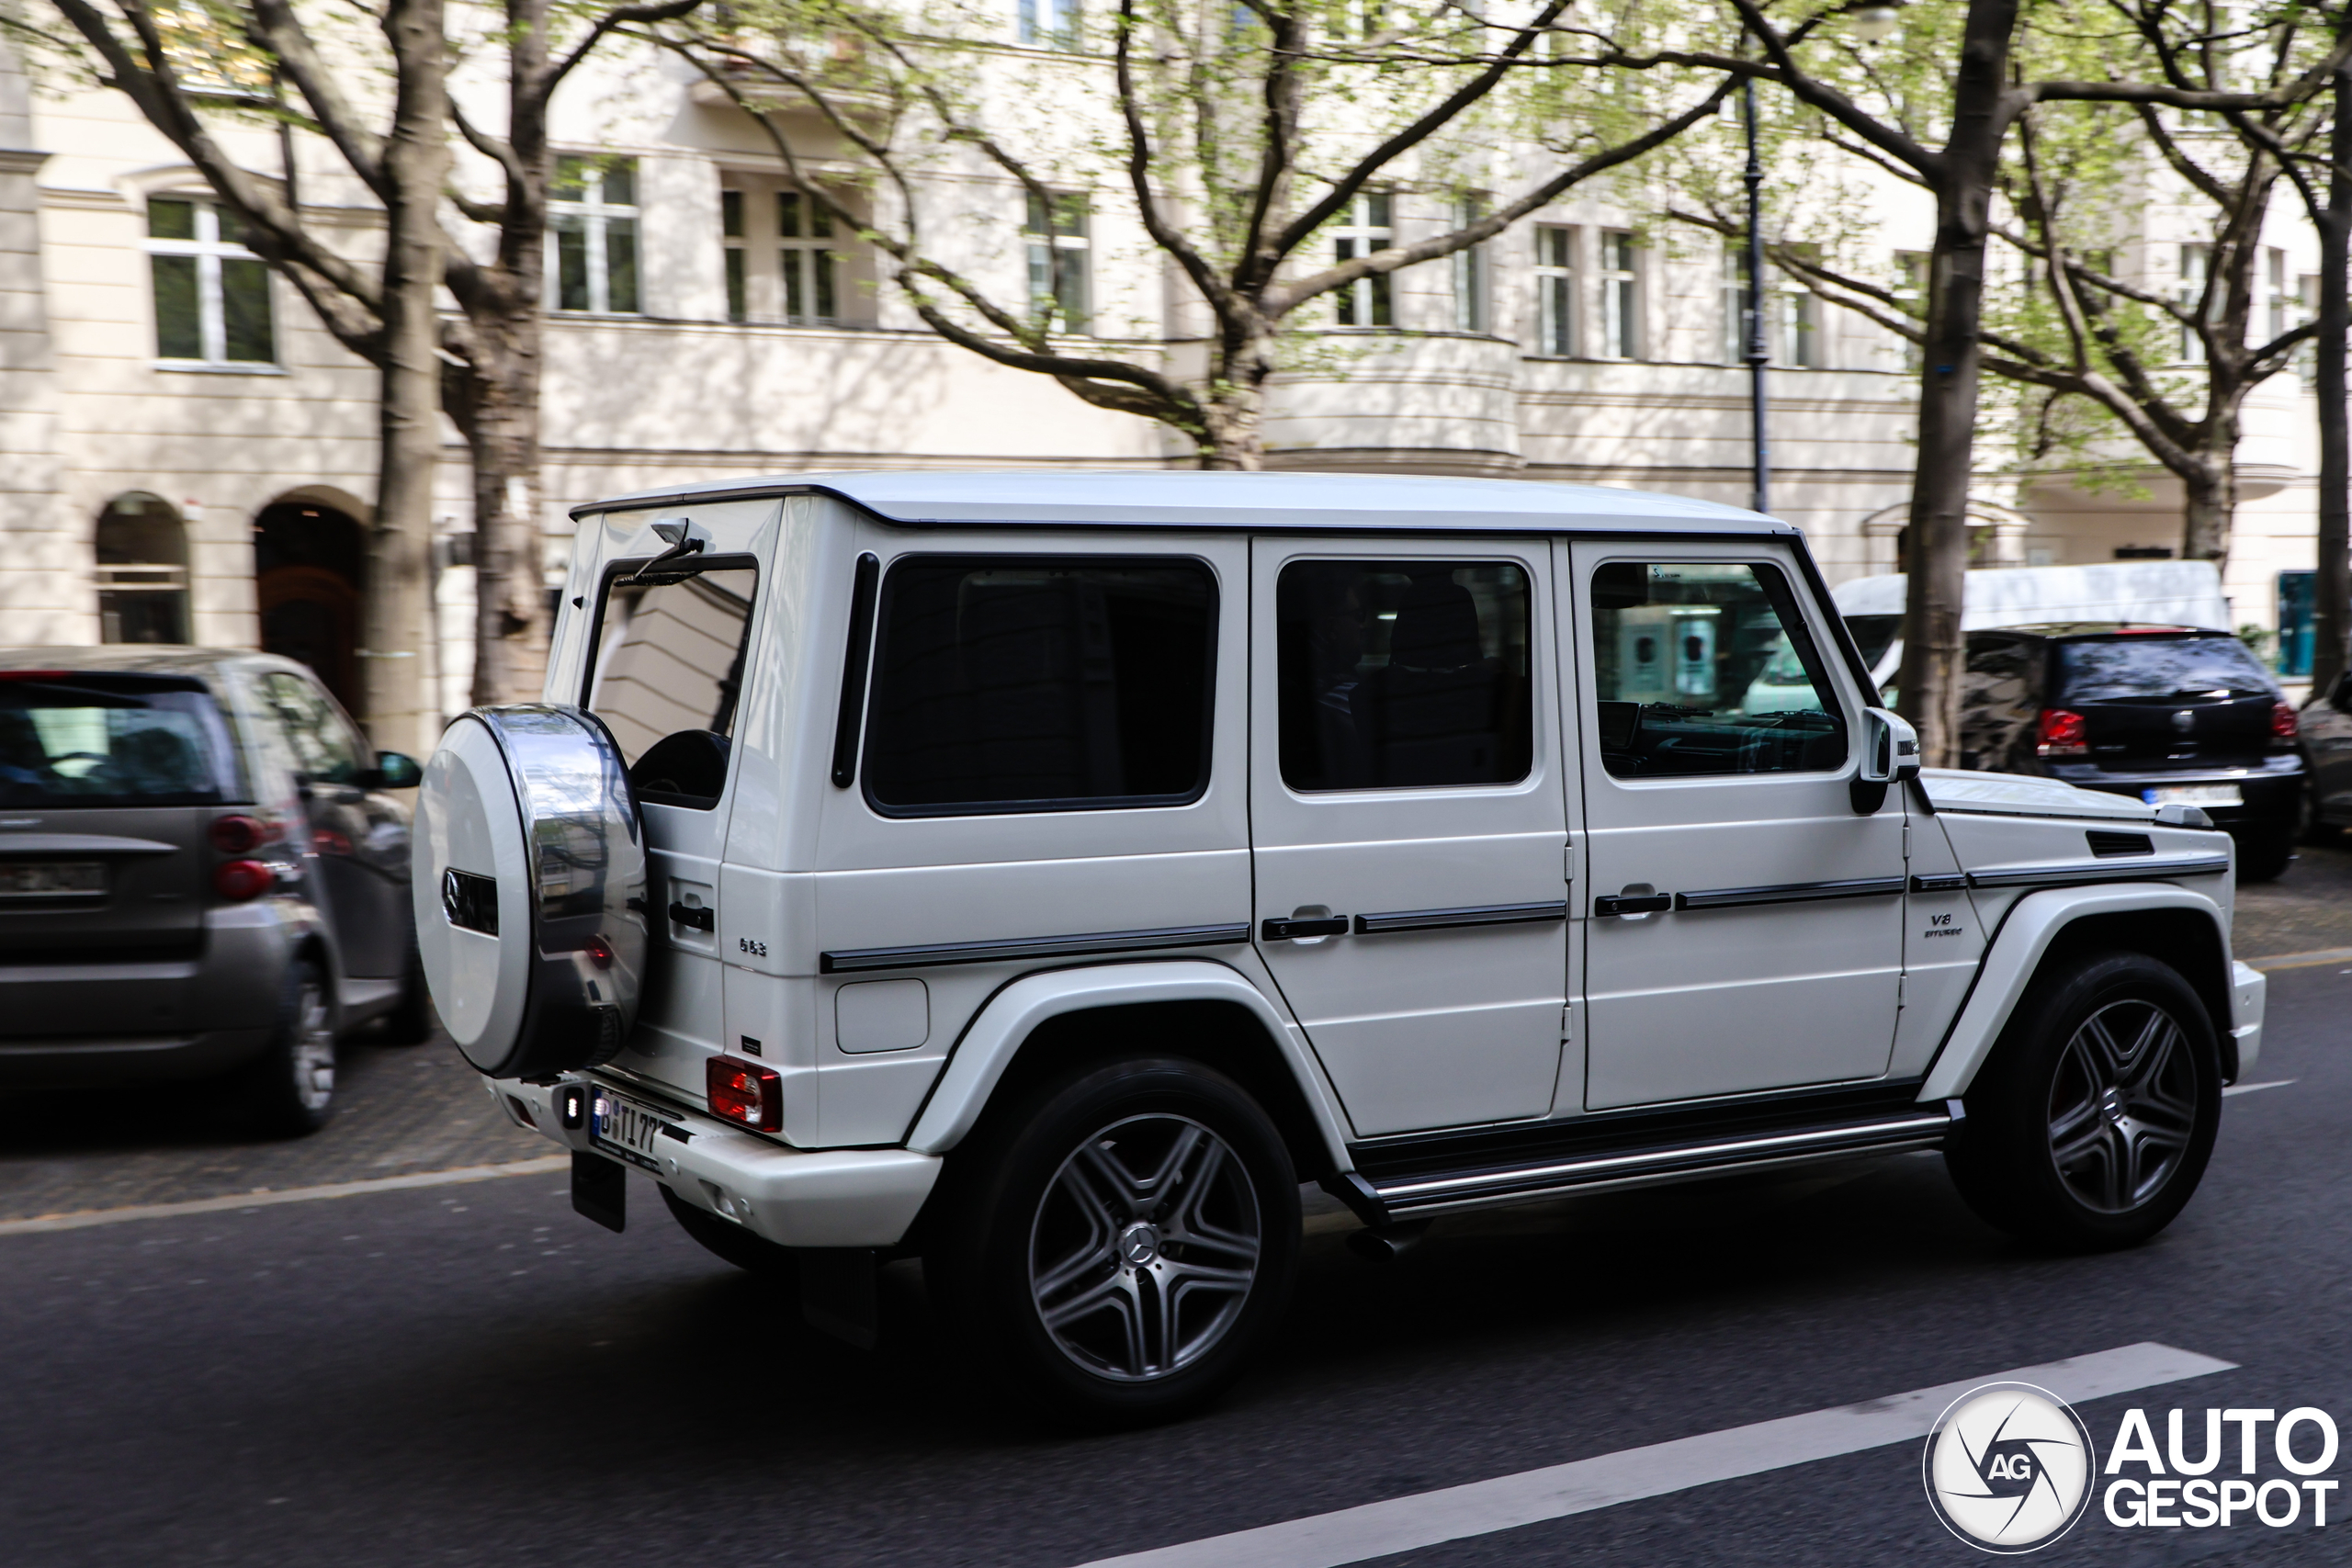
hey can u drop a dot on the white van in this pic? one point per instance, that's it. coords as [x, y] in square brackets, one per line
[2150, 592]
[1044, 874]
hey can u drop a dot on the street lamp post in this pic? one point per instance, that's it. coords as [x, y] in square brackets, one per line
[1759, 434]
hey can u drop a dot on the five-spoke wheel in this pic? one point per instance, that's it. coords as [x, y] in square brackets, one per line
[1115, 1241]
[2090, 1124]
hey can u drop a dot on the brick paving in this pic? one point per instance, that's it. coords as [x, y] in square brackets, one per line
[421, 1108]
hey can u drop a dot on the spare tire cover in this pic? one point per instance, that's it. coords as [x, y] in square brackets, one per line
[529, 882]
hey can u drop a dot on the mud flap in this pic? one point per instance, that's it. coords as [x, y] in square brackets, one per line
[599, 1189]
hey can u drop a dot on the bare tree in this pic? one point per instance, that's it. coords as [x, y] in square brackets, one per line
[1233, 173]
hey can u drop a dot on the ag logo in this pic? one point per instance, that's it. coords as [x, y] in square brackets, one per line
[2008, 1467]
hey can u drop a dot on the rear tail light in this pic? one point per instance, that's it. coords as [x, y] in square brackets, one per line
[2062, 734]
[239, 835]
[745, 1093]
[238, 880]
[2282, 722]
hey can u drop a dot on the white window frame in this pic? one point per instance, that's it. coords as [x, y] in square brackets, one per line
[1731, 288]
[1472, 311]
[209, 251]
[1368, 224]
[1075, 317]
[809, 259]
[1049, 24]
[1556, 290]
[596, 216]
[1620, 273]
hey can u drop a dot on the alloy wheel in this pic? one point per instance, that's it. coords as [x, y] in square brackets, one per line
[314, 1053]
[2123, 1106]
[1145, 1247]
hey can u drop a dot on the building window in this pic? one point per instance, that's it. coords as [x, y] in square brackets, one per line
[1055, 233]
[2307, 352]
[212, 293]
[1795, 318]
[1363, 229]
[730, 229]
[1049, 24]
[1621, 297]
[2274, 288]
[2196, 268]
[805, 256]
[1911, 296]
[592, 238]
[1732, 313]
[1469, 271]
[1556, 291]
[141, 571]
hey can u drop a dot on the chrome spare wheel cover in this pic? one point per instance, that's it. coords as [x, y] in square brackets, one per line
[2123, 1106]
[1144, 1248]
[313, 1048]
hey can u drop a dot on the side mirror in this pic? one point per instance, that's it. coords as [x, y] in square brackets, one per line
[395, 769]
[1890, 748]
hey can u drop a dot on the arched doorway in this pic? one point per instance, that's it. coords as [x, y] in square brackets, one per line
[141, 550]
[310, 569]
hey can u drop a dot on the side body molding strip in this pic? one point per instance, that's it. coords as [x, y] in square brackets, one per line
[1790, 893]
[855, 960]
[1474, 915]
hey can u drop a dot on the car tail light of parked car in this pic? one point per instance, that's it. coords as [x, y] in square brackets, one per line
[2283, 727]
[746, 1093]
[242, 835]
[239, 880]
[2062, 734]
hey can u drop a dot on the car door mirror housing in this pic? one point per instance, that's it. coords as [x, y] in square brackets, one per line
[394, 770]
[1890, 748]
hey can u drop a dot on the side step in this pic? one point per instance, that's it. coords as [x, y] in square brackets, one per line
[1386, 1198]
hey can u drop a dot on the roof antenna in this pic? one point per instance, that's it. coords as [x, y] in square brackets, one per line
[676, 533]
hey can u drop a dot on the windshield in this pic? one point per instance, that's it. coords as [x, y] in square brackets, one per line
[2159, 668]
[73, 739]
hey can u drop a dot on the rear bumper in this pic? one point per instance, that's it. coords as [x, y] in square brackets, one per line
[2273, 796]
[792, 1197]
[96, 1061]
[2249, 993]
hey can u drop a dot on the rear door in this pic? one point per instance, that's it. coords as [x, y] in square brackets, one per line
[1746, 925]
[2327, 731]
[1408, 828]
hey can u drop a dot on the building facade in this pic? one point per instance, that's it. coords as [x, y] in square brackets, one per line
[185, 455]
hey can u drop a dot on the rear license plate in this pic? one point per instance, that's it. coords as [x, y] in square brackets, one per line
[50, 879]
[2193, 795]
[624, 1128]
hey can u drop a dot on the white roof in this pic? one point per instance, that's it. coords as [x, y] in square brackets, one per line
[1190, 498]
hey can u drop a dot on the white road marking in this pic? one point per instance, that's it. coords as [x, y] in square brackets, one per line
[2250, 1087]
[1427, 1519]
[87, 1217]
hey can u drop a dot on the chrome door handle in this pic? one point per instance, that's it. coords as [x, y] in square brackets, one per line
[1294, 927]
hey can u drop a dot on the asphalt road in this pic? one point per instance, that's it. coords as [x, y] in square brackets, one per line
[472, 1374]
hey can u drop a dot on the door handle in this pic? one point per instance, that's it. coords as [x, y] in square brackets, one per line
[1632, 904]
[699, 917]
[1293, 927]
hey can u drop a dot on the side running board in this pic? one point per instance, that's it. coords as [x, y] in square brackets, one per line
[1386, 1198]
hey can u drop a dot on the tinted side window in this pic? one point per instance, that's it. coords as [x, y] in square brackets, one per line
[1399, 675]
[1707, 668]
[1037, 683]
[325, 751]
[1998, 709]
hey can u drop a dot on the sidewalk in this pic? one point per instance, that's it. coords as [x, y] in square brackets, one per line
[2307, 910]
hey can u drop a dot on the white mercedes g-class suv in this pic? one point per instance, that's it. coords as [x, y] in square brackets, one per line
[1046, 873]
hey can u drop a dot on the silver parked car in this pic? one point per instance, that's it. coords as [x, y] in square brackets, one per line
[200, 875]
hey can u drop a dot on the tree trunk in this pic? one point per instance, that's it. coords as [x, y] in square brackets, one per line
[2332, 588]
[2211, 503]
[1234, 409]
[1933, 651]
[503, 436]
[401, 714]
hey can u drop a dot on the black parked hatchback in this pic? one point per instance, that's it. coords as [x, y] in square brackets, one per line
[2172, 715]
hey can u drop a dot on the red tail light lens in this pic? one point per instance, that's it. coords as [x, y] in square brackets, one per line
[2062, 734]
[2283, 725]
[599, 951]
[745, 1093]
[238, 880]
[238, 835]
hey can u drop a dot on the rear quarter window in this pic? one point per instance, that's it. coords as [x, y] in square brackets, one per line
[72, 738]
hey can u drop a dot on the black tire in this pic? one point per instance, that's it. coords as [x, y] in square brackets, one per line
[412, 1021]
[2091, 1124]
[288, 1092]
[752, 1254]
[2264, 853]
[1154, 1200]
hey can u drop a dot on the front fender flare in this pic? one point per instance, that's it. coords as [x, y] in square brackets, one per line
[991, 1041]
[2017, 949]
